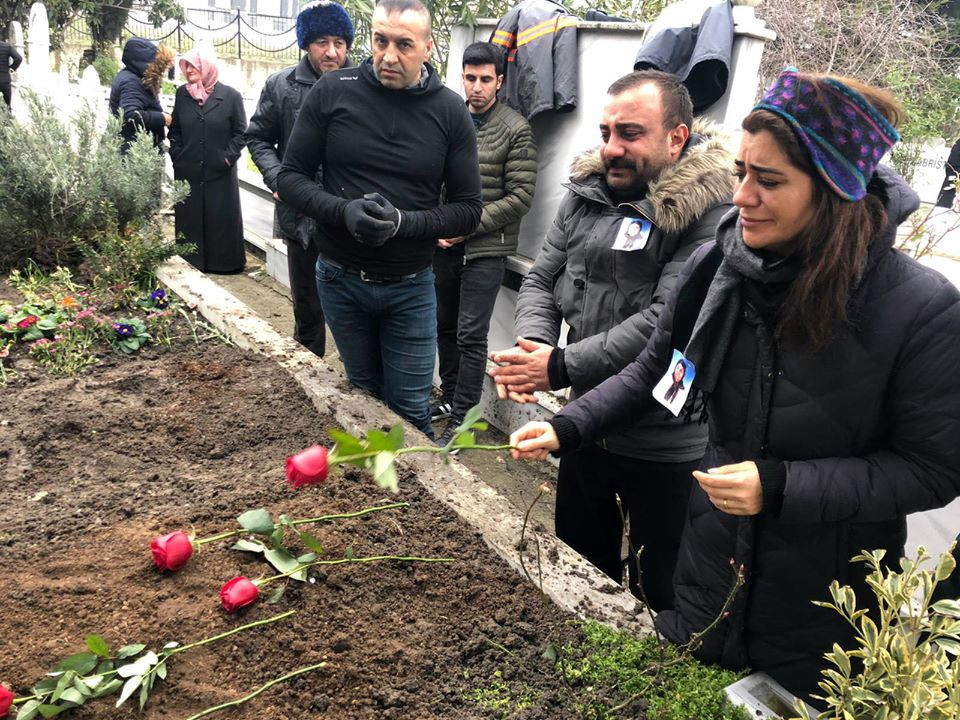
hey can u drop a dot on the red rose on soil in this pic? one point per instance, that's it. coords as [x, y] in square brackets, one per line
[307, 467]
[27, 322]
[171, 551]
[6, 701]
[238, 593]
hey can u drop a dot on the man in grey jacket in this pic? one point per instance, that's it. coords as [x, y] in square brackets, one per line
[325, 33]
[609, 279]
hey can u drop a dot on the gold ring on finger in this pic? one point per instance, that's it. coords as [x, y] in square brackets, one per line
[724, 504]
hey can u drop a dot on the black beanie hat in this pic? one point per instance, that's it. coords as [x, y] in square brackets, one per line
[323, 17]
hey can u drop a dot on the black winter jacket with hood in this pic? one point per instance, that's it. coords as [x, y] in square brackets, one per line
[867, 431]
[136, 87]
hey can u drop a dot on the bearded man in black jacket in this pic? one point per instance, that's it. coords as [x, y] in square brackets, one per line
[390, 137]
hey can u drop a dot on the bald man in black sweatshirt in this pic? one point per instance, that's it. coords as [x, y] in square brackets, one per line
[391, 138]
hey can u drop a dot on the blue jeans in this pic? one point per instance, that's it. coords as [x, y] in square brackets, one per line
[386, 334]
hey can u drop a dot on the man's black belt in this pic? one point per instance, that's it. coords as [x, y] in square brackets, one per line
[370, 277]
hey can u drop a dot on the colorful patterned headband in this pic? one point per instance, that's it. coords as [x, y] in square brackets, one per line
[844, 134]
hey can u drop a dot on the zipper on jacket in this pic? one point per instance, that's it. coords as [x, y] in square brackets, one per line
[637, 210]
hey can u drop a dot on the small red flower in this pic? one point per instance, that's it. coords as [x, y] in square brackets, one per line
[28, 321]
[171, 551]
[307, 467]
[6, 701]
[238, 593]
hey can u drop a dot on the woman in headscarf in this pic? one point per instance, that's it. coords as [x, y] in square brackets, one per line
[206, 138]
[824, 364]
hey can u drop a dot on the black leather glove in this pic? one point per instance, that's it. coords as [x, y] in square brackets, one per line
[387, 210]
[365, 223]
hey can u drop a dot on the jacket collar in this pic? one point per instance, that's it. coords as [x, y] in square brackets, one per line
[215, 98]
[683, 193]
[304, 73]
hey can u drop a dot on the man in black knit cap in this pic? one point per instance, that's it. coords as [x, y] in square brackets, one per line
[391, 137]
[325, 33]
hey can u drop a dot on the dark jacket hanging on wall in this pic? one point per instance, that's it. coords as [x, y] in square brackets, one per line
[540, 39]
[699, 55]
[205, 144]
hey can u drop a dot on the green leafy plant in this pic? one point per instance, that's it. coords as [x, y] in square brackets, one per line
[63, 182]
[122, 264]
[904, 665]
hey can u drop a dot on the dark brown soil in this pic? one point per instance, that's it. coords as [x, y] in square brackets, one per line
[92, 467]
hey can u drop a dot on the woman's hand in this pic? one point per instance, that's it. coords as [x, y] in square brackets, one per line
[733, 489]
[534, 441]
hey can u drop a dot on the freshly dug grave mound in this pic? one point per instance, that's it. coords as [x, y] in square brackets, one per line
[190, 436]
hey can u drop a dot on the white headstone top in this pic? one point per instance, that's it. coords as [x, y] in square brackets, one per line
[16, 34]
[89, 78]
[38, 39]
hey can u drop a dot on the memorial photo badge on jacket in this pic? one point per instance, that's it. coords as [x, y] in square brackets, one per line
[633, 234]
[674, 386]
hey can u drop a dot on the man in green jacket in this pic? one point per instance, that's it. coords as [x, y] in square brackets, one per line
[469, 269]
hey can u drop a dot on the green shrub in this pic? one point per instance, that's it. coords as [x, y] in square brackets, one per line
[901, 668]
[64, 186]
[121, 265]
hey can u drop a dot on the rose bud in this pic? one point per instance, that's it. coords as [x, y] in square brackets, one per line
[171, 551]
[238, 593]
[307, 467]
[6, 701]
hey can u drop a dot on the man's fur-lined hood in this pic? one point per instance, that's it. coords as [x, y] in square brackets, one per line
[701, 179]
[157, 70]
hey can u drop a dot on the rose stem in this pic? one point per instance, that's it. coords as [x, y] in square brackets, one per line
[251, 696]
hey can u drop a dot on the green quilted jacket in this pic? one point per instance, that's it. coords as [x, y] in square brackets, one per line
[508, 171]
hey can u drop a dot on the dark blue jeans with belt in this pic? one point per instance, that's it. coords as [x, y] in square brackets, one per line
[386, 334]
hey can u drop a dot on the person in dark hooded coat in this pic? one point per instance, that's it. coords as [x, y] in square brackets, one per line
[206, 139]
[825, 362]
[136, 88]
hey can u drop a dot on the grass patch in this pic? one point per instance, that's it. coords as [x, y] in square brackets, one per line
[608, 668]
[601, 674]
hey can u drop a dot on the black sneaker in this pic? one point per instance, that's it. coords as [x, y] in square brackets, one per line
[440, 411]
[446, 436]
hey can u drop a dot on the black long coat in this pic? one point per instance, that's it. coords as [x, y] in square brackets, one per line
[205, 144]
[867, 429]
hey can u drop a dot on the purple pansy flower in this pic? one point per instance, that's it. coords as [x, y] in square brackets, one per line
[123, 329]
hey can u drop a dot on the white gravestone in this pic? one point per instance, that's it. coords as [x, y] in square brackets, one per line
[38, 41]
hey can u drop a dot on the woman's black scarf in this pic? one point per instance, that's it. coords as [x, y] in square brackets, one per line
[709, 340]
